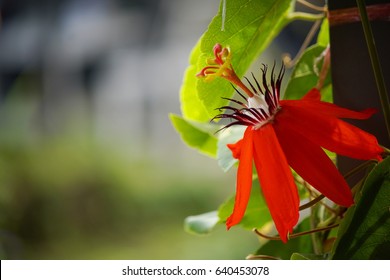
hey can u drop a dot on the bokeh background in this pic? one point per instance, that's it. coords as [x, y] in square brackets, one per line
[90, 166]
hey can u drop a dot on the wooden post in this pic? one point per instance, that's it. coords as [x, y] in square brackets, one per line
[354, 84]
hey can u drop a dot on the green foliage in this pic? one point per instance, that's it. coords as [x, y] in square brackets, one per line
[323, 35]
[305, 75]
[196, 135]
[257, 213]
[201, 224]
[191, 106]
[365, 231]
[224, 155]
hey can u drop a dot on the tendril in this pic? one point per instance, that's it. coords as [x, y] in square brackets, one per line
[261, 257]
[295, 235]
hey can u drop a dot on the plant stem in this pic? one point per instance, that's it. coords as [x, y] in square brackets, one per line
[305, 16]
[261, 257]
[312, 6]
[311, 202]
[386, 150]
[359, 168]
[288, 62]
[296, 234]
[379, 79]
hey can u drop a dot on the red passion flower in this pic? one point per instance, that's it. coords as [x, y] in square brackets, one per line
[288, 133]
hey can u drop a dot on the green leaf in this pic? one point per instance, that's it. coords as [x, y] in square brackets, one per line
[365, 230]
[302, 244]
[323, 35]
[201, 224]
[196, 135]
[257, 213]
[305, 75]
[249, 27]
[191, 106]
[228, 136]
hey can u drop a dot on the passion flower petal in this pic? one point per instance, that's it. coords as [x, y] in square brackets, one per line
[312, 101]
[244, 179]
[277, 182]
[313, 165]
[329, 132]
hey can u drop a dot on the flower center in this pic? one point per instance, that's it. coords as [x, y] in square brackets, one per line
[257, 101]
[262, 102]
[263, 115]
[258, 109]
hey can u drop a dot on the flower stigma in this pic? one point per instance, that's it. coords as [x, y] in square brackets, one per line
[220, 66]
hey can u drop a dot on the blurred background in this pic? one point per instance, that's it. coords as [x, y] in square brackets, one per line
[90, 166]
